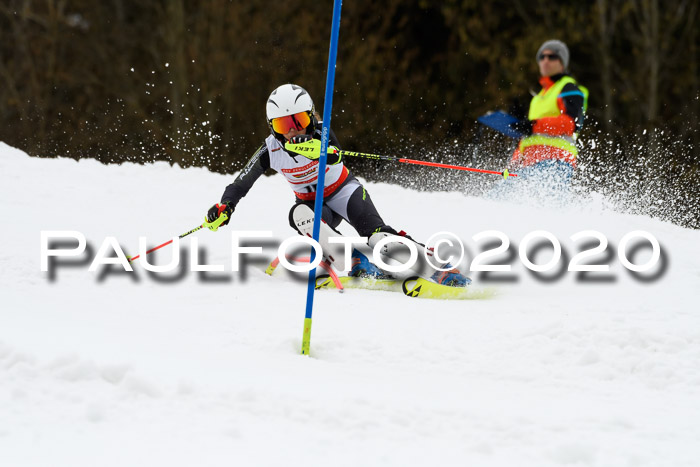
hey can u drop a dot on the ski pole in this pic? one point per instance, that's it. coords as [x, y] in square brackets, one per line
[213, 226]
[380, 157]
[311, 148]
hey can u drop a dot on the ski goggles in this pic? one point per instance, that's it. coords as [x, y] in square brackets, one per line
[298, 121]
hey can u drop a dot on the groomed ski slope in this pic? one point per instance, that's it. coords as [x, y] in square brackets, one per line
[133, 371]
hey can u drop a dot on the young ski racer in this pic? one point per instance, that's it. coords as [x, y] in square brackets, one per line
[291, 117]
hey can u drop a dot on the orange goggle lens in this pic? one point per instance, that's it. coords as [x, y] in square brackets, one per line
[299, 121]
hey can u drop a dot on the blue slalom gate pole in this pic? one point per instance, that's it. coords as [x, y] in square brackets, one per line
[321, 182]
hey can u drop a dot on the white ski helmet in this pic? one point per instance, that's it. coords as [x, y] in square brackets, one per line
[289, 99]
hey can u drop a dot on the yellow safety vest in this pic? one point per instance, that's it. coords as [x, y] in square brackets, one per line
[544, 104]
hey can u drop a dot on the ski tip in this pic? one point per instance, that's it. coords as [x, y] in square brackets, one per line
[324, 281]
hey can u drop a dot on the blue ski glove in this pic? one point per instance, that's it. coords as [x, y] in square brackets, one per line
[524, 127]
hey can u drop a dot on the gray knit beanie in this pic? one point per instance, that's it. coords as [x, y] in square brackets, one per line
[558, 47]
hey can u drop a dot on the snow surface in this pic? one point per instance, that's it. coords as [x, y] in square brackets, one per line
[129, 370]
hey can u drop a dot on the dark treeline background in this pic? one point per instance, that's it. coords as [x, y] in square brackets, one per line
[186, 81]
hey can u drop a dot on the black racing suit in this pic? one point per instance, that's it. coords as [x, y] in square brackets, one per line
[362, 214]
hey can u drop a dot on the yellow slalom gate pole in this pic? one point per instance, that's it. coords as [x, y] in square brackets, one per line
[306, 338]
